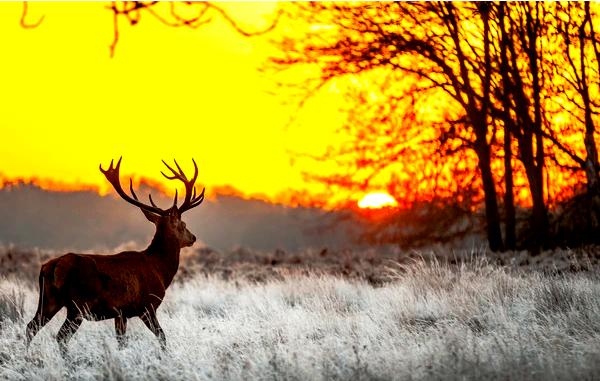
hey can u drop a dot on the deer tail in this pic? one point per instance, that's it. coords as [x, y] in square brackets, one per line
[47, 286]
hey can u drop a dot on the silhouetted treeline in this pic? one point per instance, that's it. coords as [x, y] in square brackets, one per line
[471, 105]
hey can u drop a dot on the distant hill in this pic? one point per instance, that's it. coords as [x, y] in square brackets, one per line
[81, 220]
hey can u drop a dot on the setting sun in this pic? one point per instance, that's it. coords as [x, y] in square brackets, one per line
[377, 200]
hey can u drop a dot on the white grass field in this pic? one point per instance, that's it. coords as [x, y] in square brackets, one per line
[434, 322]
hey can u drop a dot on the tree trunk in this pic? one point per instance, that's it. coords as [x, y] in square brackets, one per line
[539, 217]
[592, 167]
[510, 234]
[509, 200]
[494, 233]
[591, 159]
[528, 129]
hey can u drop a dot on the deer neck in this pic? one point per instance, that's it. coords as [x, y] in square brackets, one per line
[164, 252]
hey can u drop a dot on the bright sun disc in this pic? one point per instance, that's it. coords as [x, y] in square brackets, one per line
[377, 200]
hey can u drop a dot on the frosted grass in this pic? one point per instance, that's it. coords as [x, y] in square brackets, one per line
[433, 322]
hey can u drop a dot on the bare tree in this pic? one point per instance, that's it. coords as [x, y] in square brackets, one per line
[520, 61]
[581, 47]
[427, 41]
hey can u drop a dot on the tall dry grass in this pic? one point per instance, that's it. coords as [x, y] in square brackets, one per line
[470, 321]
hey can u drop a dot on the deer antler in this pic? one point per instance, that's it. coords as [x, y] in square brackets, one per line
[112, 175]
[191, 200]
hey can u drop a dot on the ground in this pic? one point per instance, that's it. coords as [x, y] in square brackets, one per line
[469, 319]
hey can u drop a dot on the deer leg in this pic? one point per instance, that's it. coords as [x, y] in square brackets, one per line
[120, 329]
[48, 306]
[151, 321]
[39, 320]
[68, 329]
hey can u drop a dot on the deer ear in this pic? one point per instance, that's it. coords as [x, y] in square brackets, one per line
[151, 216]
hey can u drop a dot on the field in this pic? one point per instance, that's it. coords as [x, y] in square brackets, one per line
[429, 320]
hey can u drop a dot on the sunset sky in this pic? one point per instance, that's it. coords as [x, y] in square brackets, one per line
[168, 92]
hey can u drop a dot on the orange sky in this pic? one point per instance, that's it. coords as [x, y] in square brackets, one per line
[67, 106]
[168, 92]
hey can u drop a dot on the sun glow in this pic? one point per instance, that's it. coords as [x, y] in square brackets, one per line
[377, 200]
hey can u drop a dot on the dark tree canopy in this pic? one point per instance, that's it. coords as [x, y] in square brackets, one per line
[480, 84]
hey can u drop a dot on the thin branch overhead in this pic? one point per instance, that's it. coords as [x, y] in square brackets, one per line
[179, 14]
[23, 21]
[188, 14]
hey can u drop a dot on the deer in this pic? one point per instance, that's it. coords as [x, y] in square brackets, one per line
[124, 285]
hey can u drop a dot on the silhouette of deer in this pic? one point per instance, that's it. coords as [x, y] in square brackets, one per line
[123, 285]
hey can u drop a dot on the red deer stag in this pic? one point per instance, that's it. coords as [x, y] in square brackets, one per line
[123, 285]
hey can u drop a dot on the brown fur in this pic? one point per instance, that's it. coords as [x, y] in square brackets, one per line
[120, 286]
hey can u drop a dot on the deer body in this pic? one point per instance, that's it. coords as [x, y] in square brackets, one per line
[90, 283]
[120, 286]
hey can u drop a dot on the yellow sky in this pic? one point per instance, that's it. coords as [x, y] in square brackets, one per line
[168, 92]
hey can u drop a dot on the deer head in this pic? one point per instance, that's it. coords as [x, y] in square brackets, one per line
[167, 221]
